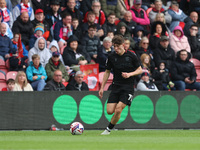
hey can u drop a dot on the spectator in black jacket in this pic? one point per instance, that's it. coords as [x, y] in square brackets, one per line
[86, 6]
[109, 25]
[56, 83]
[164, 53]
[91, 43]
[73, 11]
[53, 14]
[75, 54]
[77, 84]
[183, 72]
[129, 22]
[103, 52]
[23, 26]
[194, 41]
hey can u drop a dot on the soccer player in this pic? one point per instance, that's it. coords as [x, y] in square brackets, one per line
[125, 65]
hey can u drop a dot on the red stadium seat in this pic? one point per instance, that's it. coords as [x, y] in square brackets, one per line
[2, 77]
[108, 83]
[196, 62]
[11, 75]
[2, 85]
[3, 66]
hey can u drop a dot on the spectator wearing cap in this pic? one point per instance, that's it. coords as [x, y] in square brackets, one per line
[178, 40]
[6, 14]
[73, 11]
[145, 84]
[40, 18]
[53, 14]
[138, 14]
[53, 47]
[77, 84]
[56, 64]
[178, 16]
[38, 32]
[40, 49]
[158, 9]
[24, 6]
[164, 53]
[23, 26]
[55, 84]
[6, 46]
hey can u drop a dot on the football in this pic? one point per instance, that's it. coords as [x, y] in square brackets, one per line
[76, 128]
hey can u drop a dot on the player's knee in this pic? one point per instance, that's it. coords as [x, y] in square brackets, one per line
[110, 112]
[118, 110]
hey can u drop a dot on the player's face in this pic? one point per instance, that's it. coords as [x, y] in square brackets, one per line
[119, 49]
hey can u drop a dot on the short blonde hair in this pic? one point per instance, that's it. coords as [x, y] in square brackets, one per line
[21, 73]
[161, 15]
[143, 39]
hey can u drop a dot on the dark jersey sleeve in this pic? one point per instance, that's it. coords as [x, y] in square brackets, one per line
[108, 63]
[135, 59]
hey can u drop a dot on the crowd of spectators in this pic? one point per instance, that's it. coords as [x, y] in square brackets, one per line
[46, 39]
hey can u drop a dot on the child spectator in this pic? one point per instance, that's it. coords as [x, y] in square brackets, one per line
[10, 85]
[38, 32]
[18, 61]
[162, 74]
[139, 33]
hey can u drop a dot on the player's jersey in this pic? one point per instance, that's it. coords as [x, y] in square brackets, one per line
[128, 62]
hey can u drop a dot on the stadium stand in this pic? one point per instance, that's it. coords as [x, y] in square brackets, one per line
[108, 83]
[11, 75]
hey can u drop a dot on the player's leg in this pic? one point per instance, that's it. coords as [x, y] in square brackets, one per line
[111, 108]
[115, 118]
[118, 110]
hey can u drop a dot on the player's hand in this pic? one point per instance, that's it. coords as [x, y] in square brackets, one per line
[101, 93]
[125, 75]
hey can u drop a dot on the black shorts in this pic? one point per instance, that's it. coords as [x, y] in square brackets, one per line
[122, 93]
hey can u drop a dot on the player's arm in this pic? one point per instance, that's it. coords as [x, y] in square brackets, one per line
[105, 79]
[134, 73]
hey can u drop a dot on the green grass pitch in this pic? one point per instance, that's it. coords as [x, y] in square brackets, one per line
[92, 140]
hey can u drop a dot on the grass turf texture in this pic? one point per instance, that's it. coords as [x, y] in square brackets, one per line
[92, 140]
